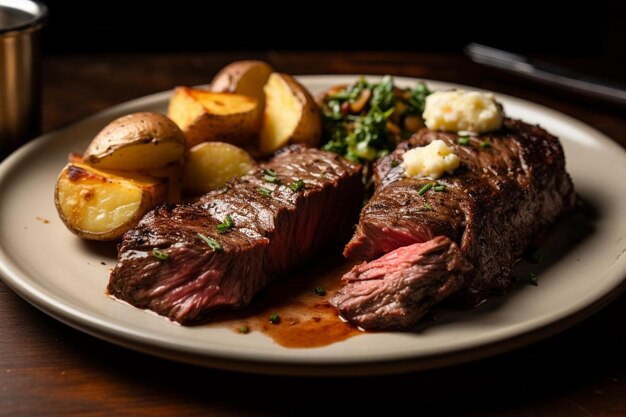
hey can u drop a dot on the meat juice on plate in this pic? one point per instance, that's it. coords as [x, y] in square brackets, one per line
[294, 311]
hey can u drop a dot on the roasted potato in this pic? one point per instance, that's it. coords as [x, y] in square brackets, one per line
[102, 205]
[211, 164]
[135, 142]
[291, 115]
[206, 116]
[243, 77]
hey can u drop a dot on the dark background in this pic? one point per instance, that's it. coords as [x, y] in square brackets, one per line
[533, 27]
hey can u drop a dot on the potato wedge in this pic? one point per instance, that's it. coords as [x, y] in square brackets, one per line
[211, 164]
[135, 142]
[243, 77]
[207, 116]
[291, 115]
[102, 205]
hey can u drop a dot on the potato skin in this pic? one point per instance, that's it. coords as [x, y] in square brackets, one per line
[206, 116]
[103, 205]
[136, 141]
[243, 77]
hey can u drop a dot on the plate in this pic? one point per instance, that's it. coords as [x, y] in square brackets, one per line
[66, 277]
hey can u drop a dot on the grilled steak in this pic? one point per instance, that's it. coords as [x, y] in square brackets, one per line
[395, 290]
[277, 226]
[511, 185]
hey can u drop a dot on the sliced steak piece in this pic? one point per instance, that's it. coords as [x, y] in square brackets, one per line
[510, 186]
[277, 226]
[397, 289]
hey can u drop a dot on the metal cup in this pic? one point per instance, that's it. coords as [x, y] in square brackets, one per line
[20, 83]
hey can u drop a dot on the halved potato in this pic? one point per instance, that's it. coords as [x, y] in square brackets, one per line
[243, 77]
[135, 142]
[291, 115]
[206, 116]
[102, 205]
[210, 165]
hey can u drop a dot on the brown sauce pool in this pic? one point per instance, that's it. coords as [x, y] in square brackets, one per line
[307, 320]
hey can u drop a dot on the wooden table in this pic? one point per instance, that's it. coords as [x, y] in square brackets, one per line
[47, 368]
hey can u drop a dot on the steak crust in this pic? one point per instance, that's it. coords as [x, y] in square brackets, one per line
[272, 234]
[511, 185]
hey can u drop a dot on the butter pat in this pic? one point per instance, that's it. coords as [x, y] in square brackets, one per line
[459, 110]
[431, 161]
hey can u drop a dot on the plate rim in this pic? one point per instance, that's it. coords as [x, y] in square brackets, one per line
[143, 341]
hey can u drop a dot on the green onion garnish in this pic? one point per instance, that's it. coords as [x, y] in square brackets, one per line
[394, 163]
[319, 291]
[270, 176]
[213, 244]
[226, 225]
[270, 179]
[439, 187]
[274, 318]
[265, 192]
[244, 329]
[425, 188]
[296, 186]
[485, 144]
[428, 206]
[533, 279]
[160, 255]
[463, 140]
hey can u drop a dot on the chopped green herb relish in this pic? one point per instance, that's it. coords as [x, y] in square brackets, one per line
[365, 131]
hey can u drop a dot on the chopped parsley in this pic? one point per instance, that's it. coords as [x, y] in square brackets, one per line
[274, 318]
[212, 243]
[244, 329]
[319, 291]
[225, 225]
[532, 279]
[297, 186]
[485, 144]
[160, 255]
[425, 188]
[394, 163]
[427, 206]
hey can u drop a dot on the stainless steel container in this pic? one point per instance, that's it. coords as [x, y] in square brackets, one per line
[20, 84]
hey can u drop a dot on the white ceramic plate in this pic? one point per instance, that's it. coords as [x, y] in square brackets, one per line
[64, 276]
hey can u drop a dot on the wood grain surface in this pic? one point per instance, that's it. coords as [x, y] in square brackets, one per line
[49, 369]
